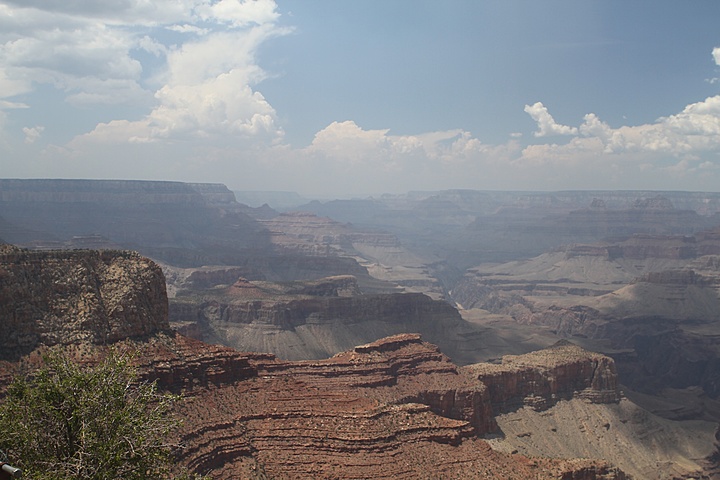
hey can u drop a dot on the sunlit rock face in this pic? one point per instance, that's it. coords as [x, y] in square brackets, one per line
[393, 408]
[63, 297]
[542, 378]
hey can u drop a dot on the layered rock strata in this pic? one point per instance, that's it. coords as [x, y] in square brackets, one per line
[317, 319]
[393, 408]
[542, 378]
[64, 297]
[380, 252]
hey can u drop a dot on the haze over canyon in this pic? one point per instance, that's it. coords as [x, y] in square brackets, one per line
[447, 334]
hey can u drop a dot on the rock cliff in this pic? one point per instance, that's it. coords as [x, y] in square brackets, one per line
[392, 408]
[171, 221]
[649, 301]
[63, 297]
[542, 378]
[317, 319]
[385, 257]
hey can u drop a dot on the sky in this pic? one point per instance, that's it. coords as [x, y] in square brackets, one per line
[334, 99]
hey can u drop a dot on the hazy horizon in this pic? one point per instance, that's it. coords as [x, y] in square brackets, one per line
[336, 99]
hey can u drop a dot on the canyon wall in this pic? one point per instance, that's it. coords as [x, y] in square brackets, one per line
[542, 378]
[319, 319]
[393, 408]
[172, 221]
[363, 413]
[62, 297]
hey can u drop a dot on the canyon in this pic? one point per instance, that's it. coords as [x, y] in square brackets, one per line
[230, 302]
[393, 408]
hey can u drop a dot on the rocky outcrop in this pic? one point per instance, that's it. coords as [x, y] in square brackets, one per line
[640, 246]
[207, 277]
[395, 308]
[313, 235]
[64, 297]
[679, 278]
[317, 319]
[185, 366]
[541, 379]
[394, 408]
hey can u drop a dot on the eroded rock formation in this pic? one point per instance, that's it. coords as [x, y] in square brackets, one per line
[316, 319]
[542, 378]
[393, 408]
[63, 297]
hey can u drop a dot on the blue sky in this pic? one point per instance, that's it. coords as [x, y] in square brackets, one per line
[331, 98]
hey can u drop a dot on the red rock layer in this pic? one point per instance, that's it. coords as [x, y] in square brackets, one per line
[540, 379]
[395, 408]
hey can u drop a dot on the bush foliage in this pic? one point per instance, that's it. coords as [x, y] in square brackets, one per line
[67, 421]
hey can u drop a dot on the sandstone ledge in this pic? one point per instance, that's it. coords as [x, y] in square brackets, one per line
[67, 297]
[540, 379]
[394, 408]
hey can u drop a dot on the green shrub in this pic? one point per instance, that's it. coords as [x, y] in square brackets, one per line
[67, 421]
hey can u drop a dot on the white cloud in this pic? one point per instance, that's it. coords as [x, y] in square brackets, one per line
[32, 134]
[348, 143]
[716, 55]
[5, 105]
[94, 52]
[695, 129]
[239, 13]
[70, 54]
[185, 28]
[87, 48]
[546, 123]
[207, 94]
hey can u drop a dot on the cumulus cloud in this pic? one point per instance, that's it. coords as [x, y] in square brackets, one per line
[72, 54]
[32, 133]
[547, 125]
[695, 129]
[88, 49]
[198, 83]
[207, 94]
[239, 13]
[346, 142]
[682, 147]
[377, 161]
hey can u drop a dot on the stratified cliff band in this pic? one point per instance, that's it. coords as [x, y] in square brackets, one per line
[394, 408]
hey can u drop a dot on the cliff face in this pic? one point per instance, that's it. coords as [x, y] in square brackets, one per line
[580, 269]
[541, 379]
[318, 319]
[186, 225]
[63, 297]
[394, 308]
[393, 408]
[653, 299]
[385, 257]
[172, 221]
